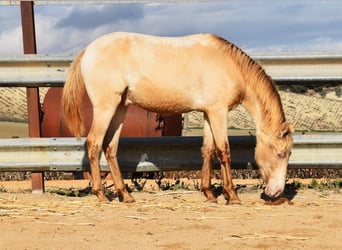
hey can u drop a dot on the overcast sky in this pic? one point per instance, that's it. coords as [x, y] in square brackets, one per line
[256, 25]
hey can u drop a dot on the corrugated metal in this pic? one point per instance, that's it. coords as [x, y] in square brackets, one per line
[158, 153]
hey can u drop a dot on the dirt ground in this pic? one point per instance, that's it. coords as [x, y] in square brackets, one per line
[166, 220]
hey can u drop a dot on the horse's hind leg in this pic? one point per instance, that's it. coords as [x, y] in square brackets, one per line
[110, 148]
[208, 151]
[218, 124]
[101, 121]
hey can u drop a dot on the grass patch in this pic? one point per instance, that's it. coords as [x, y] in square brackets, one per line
[3, 189]
[71, 192]
[327, 184]
[137, 185]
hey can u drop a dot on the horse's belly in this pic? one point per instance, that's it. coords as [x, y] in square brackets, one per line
[160, 102]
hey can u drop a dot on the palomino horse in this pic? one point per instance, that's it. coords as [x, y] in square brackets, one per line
[168, 75]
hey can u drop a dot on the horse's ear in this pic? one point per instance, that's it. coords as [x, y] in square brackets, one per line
[285, 128]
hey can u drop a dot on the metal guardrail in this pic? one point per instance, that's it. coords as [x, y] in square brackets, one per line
[313, 67]
[34, 70]
[159, 153]
[67, 154]
[51, 70]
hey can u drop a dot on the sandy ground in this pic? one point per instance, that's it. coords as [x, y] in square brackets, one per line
[166, 220]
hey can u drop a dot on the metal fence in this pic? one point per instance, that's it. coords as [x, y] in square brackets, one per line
[38, 155]
[51, 70]
[165, 153]
[158, 153]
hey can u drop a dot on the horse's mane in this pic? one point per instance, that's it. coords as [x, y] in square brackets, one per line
[261, 84]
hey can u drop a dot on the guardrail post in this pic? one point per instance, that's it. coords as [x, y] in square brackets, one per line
[33, 104]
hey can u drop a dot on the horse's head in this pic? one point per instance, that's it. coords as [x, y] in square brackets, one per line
[272, 155]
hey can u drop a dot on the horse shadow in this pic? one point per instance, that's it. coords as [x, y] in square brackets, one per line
[289, 193]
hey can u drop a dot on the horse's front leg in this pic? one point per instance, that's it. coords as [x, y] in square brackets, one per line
[208, 151]
[228, 186]
[218, 123]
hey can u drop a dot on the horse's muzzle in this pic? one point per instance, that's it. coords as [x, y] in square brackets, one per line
[274, 189]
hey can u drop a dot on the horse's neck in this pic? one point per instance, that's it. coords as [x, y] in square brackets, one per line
[266, 111]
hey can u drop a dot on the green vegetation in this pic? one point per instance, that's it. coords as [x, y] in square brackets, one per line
[306, 88]
[2, 189]
[326, 184]
[70, 192]
[138, 185]
[338, 91]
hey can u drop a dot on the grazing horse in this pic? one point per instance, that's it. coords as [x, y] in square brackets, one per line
[201, 72]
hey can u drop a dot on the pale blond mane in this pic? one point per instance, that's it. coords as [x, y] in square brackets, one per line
[261, 83]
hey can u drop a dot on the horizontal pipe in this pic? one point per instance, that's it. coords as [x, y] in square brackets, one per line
[159, 153]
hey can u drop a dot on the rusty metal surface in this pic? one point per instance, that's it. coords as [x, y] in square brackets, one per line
[33, 104]
[137, 123]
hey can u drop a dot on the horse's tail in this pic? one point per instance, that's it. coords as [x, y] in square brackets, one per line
[72, 97]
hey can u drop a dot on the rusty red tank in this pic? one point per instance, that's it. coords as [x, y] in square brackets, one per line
[138, 122]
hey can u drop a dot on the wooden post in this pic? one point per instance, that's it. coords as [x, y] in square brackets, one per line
[33, 103]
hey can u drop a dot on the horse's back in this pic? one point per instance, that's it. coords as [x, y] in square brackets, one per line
[168, 73]
[130, 48]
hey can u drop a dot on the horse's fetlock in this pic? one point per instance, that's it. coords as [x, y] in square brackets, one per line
[121, 191]
[204, 189]
[99, 194]
[96, 191]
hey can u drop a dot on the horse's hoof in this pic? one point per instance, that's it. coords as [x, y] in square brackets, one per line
[130, 200]
[103, 199]
[126, 198]
[212, 201]
[234, 202]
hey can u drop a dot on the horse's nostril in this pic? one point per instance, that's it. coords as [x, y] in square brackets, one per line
[273, 192]
[277, 194]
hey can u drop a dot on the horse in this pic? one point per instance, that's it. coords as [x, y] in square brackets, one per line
[170, 75]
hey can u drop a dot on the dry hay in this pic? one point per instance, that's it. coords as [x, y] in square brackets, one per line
[13, 103]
